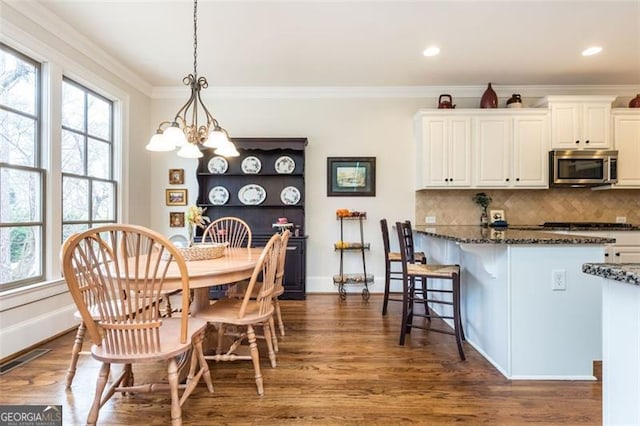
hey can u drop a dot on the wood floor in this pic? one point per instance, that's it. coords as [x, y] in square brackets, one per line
[339, 363]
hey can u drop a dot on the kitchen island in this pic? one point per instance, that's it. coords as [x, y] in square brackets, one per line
[620, 340]
[526, 305]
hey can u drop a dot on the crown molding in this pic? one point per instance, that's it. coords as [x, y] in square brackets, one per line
[51, 23]
[336, 92]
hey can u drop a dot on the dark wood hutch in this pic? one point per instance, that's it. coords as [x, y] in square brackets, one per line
[280, 190]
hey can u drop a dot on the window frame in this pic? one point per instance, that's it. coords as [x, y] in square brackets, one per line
[37, 167]
[90, 221]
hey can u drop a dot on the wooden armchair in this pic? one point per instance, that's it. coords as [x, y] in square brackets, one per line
[248, 312]
[100, 271]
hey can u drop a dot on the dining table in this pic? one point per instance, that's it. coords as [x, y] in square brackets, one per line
[236, 264]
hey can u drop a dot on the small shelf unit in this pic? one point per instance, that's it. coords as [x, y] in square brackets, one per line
[342, 279]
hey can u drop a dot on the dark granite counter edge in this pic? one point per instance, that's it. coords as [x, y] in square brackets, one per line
[624, 272]
[497, 236]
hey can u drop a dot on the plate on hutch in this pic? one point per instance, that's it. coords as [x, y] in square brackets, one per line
[218, 165]
[218, 195]
[290, 195]
[251, 165]
[252, 194]
[285, 165]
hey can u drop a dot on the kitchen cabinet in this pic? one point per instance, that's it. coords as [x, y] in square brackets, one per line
[626, 140]
[511, 150]
[443, 150]
[626, 249]
[295, 266]
[580, 122]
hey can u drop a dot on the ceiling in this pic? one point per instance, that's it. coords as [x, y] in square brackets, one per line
[246, 43]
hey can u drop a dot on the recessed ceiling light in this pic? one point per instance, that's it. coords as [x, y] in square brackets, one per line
[593, 50]
[431, 51]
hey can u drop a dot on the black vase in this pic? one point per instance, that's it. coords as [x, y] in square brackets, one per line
[489, 98]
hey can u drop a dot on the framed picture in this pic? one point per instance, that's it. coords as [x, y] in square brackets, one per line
[176, 219]
[176, 197]
[176, 176]
[351, 176]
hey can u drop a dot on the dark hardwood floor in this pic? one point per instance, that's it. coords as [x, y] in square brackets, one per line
[339, 363]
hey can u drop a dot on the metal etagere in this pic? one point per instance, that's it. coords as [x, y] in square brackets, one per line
[343, 279]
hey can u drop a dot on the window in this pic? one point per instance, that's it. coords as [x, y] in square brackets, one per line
[21, 174]
[88, 187]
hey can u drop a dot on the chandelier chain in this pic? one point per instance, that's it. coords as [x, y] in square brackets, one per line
[195, 38]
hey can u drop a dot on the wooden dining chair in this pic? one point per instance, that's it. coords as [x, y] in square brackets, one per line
[232, 230]
[411, 272]
[101, 272]
[247, 313]
[89, 300]
[390, 273]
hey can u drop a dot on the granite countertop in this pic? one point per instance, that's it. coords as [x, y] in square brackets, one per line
[623, 272]
[473, 234]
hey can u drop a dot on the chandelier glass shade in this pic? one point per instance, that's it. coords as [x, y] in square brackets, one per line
[184, 131]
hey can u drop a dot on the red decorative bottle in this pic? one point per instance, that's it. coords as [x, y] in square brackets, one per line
[489, 98]
[635, 102]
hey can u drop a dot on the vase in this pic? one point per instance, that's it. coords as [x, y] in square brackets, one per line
[635, 102]
[489, 98]
[190, 229]
[484, 219]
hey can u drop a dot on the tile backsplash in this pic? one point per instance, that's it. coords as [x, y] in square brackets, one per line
[529, 206]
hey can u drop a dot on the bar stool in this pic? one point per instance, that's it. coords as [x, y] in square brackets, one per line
[412, 271]
[389, 257]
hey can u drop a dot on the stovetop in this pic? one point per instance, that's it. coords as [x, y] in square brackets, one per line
[583, 225]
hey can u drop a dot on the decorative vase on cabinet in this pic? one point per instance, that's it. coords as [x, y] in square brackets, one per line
[635, 102]
[489, 98]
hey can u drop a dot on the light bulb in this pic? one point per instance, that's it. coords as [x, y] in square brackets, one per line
[216, 139]
[227, 149]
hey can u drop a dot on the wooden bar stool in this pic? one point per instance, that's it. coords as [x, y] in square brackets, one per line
[389, 258]
[412, 271]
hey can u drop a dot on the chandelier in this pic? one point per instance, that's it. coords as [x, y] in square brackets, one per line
[183, 131]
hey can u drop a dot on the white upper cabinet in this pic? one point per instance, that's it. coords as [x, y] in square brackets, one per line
[626, 140]
[511, 150]
[443, 147]
[580, 122]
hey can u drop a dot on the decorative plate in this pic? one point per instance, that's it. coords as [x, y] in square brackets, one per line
[179, 240]
[218, 165]
[251, 165]
[218, 195]
[290, 195]
[252, 194]
[285, 165]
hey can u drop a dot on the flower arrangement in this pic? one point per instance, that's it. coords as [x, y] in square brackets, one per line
[195, 217]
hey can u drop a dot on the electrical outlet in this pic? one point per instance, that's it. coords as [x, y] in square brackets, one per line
[558, 280]
[621, 219]
[430, 219]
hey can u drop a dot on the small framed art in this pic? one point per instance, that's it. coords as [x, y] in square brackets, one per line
[176, 219]
[176, 176]
[176, 197]
[351, 176]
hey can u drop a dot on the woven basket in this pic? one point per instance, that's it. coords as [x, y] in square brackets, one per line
[203, 251]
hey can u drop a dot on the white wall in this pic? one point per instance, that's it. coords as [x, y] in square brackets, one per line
[377, 127]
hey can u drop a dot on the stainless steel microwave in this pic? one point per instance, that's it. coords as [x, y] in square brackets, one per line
[582, 168]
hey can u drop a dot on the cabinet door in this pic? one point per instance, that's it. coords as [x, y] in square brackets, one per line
[530, 148]
[459, 153]
[434, 157]
[626, 254]
[565, 125]
[626, 139]
[595, 125]
[444, 155]
[492, 151]
[294, 268]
